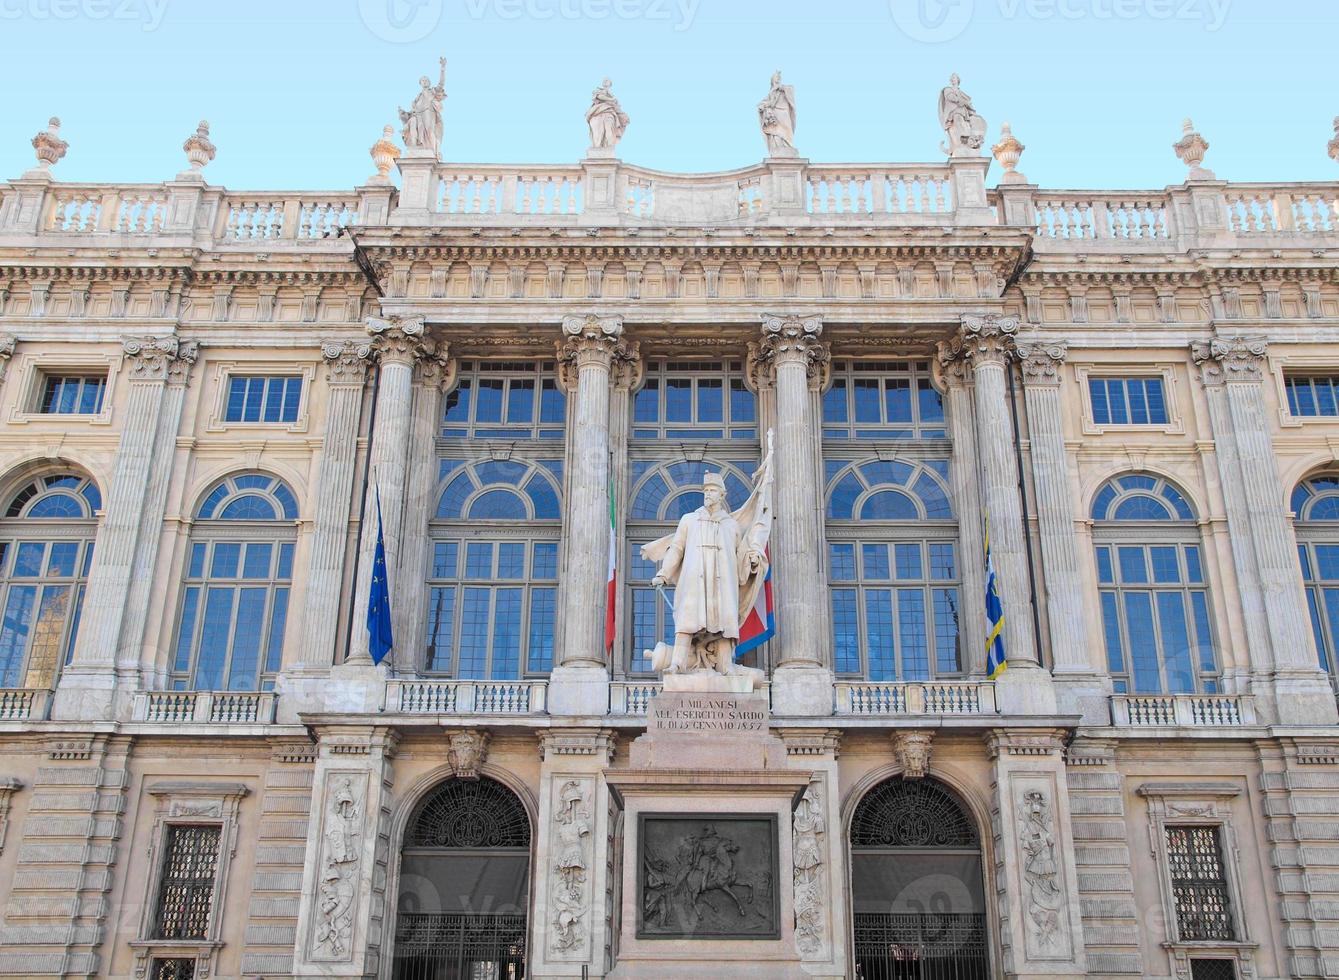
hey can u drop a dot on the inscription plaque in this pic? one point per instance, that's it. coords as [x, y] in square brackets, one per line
[707, 876]
[707, 714]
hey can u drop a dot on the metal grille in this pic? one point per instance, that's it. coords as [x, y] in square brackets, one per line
[470, 813]
[1213, 970]
[186, 891]
[911, 813]
[1199, 885]
[174, 969]
[438, 946]
[923, 946]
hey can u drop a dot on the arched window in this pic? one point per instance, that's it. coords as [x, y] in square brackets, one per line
[917, 883]
[1315, 505]
[1154, 597]
[464, 883]
[46, 547]
[661, 494]
[492, 586]
[893, 569]
[239, 569]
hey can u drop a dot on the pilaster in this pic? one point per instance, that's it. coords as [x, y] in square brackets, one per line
[792, 352]
[340, 916]
[1040, 921]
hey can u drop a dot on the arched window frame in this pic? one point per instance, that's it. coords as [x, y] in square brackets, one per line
[894, 581]
[1153, 587]
[236, 586]
[47, 535]
[498, 622]
[1315, 506]
[648, 618]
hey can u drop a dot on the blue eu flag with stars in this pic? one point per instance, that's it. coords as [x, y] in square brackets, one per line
[379, 636]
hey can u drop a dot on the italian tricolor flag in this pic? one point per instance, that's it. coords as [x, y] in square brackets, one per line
[612, 588]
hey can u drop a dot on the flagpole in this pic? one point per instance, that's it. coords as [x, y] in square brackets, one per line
[1022, 495]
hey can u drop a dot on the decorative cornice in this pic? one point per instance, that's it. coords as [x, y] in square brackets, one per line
[160, 358]
[1042, 361]
[810, 742]
[1025, 743]
[1229, 359]
[597, 743]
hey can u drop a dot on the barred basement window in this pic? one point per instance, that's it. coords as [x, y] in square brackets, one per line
[1311, 397]
[1199, 884]
[1213, 970]
[186, 890]
[178, 968]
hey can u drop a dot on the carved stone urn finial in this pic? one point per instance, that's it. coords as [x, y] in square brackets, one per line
[384, 154]
[1007, 151]
[199, 150]
[1190, 149]
[49, 146]
[1334, 143]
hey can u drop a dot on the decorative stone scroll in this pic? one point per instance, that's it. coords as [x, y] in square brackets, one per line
[7, 344]
[984, 337]
[346, 362]
[160, 358]
[1229, 359]
[399, 339]
[1042, 360]
[787, 337]
[571, 885]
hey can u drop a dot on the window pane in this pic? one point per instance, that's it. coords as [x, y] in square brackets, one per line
[867, 400]
[186, 634]
[947, 659]
[542, 608]
[846, 631]
[186, 888]
[1157, 404]
[1175, 643]
[520, 401]
[243, 671]
[1143, 642]
[511, 560]
[678, 400]
[834, 402]
[710, 403]
[507, 634]
[1097, 396]
[1133, 569]
[1199, 605]
[441, 622]
[897, 399]
[473, 658]
[908, 561]
[1166, 569]
[912, 636]
[743, 403]
[479, 560]
[214, 639]
[257, 564]
[274, 647]
[879, 632]
[488, 401]
[1105, 574]
[545, 561]
[1111, 632]
[841, 561]
[1134, 389]
[226, 556]
[14, 631]
[875, 559]
[942, 563]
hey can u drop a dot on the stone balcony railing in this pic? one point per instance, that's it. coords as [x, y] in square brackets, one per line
[453, 697]
[205, 707]
[1182, 710]
[24, 704]
[915, 698]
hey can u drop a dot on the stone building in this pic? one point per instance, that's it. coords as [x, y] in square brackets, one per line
[212, 400]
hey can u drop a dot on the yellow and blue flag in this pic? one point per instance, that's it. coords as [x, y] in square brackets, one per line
[996, 660]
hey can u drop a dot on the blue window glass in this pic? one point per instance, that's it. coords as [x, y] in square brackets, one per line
[912, 635]
[259, 398]
[1312, 395]
[505, 400]
[880, 633]
[846, 631]
[875, 559]
[72, 394]
[1127, 401]
[841, 562]
[882, 400]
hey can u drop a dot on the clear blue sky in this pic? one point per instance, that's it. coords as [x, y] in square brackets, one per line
[297, 90]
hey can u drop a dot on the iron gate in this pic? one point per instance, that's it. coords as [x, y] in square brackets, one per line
[921, 946]
[441, 946]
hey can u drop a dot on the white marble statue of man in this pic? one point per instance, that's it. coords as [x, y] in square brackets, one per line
[423, 121]
[776, 113]
[606, 118]
[717, 562]
[965, 128]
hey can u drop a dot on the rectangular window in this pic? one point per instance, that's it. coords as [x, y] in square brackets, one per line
[72, 394]
[1205, 969]
[186, 886]
[1127, 401]
[1199, 884]
[259, 398]
[174, 968]
[1312, 396]
[505, 399]
[694, 400]
[882, 400]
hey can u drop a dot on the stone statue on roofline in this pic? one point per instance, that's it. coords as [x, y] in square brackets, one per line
[606, 118]
[423, 120]
[776, 114]
[964, 126]
[716, 560]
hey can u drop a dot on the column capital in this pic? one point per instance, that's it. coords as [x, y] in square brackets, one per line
[346, 361]
[436, 366]
[983, 338]
[794, 339]
[160, 358]
[1224, 359]
[590, 338]
[1042, 361]
[397, 339]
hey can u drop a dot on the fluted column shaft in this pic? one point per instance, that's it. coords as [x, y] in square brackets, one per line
[964, 483]
[346, 375]
[986, 342]
[791, 348]
[156, 366]
[1043, 364]
[587, 352]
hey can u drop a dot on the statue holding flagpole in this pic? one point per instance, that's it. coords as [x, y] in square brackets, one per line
[717, 562]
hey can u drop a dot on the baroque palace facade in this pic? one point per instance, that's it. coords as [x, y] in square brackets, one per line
[210, 397]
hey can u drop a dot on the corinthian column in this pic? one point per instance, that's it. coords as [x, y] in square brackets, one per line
[1078, 683]
[1282, 651]
[87, 688]
[792, 353]
[589, 346]
[986, 342]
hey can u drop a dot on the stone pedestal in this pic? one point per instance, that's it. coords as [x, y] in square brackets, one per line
[707, 869]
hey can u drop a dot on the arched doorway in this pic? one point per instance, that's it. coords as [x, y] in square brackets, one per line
[464, 885]
[917, 887]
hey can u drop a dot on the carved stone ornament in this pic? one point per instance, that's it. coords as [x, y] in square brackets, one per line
[1008, 151]
[8, 787]
[913, 753]
[345, 361]
[984, 338]
[1190, 150]
[606, 118]
[49, 146]
[384, 153]
[808, 847]
[788, 338]
[571, 868]
[1334, 143]
[398, 339]
[160, 358]
[962, 124]
[1044, 897]
[199, 150]
[1229, 359]
[340, 855]
[590, 338]
[7, 345]
[1042, 360]
[466, 752]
